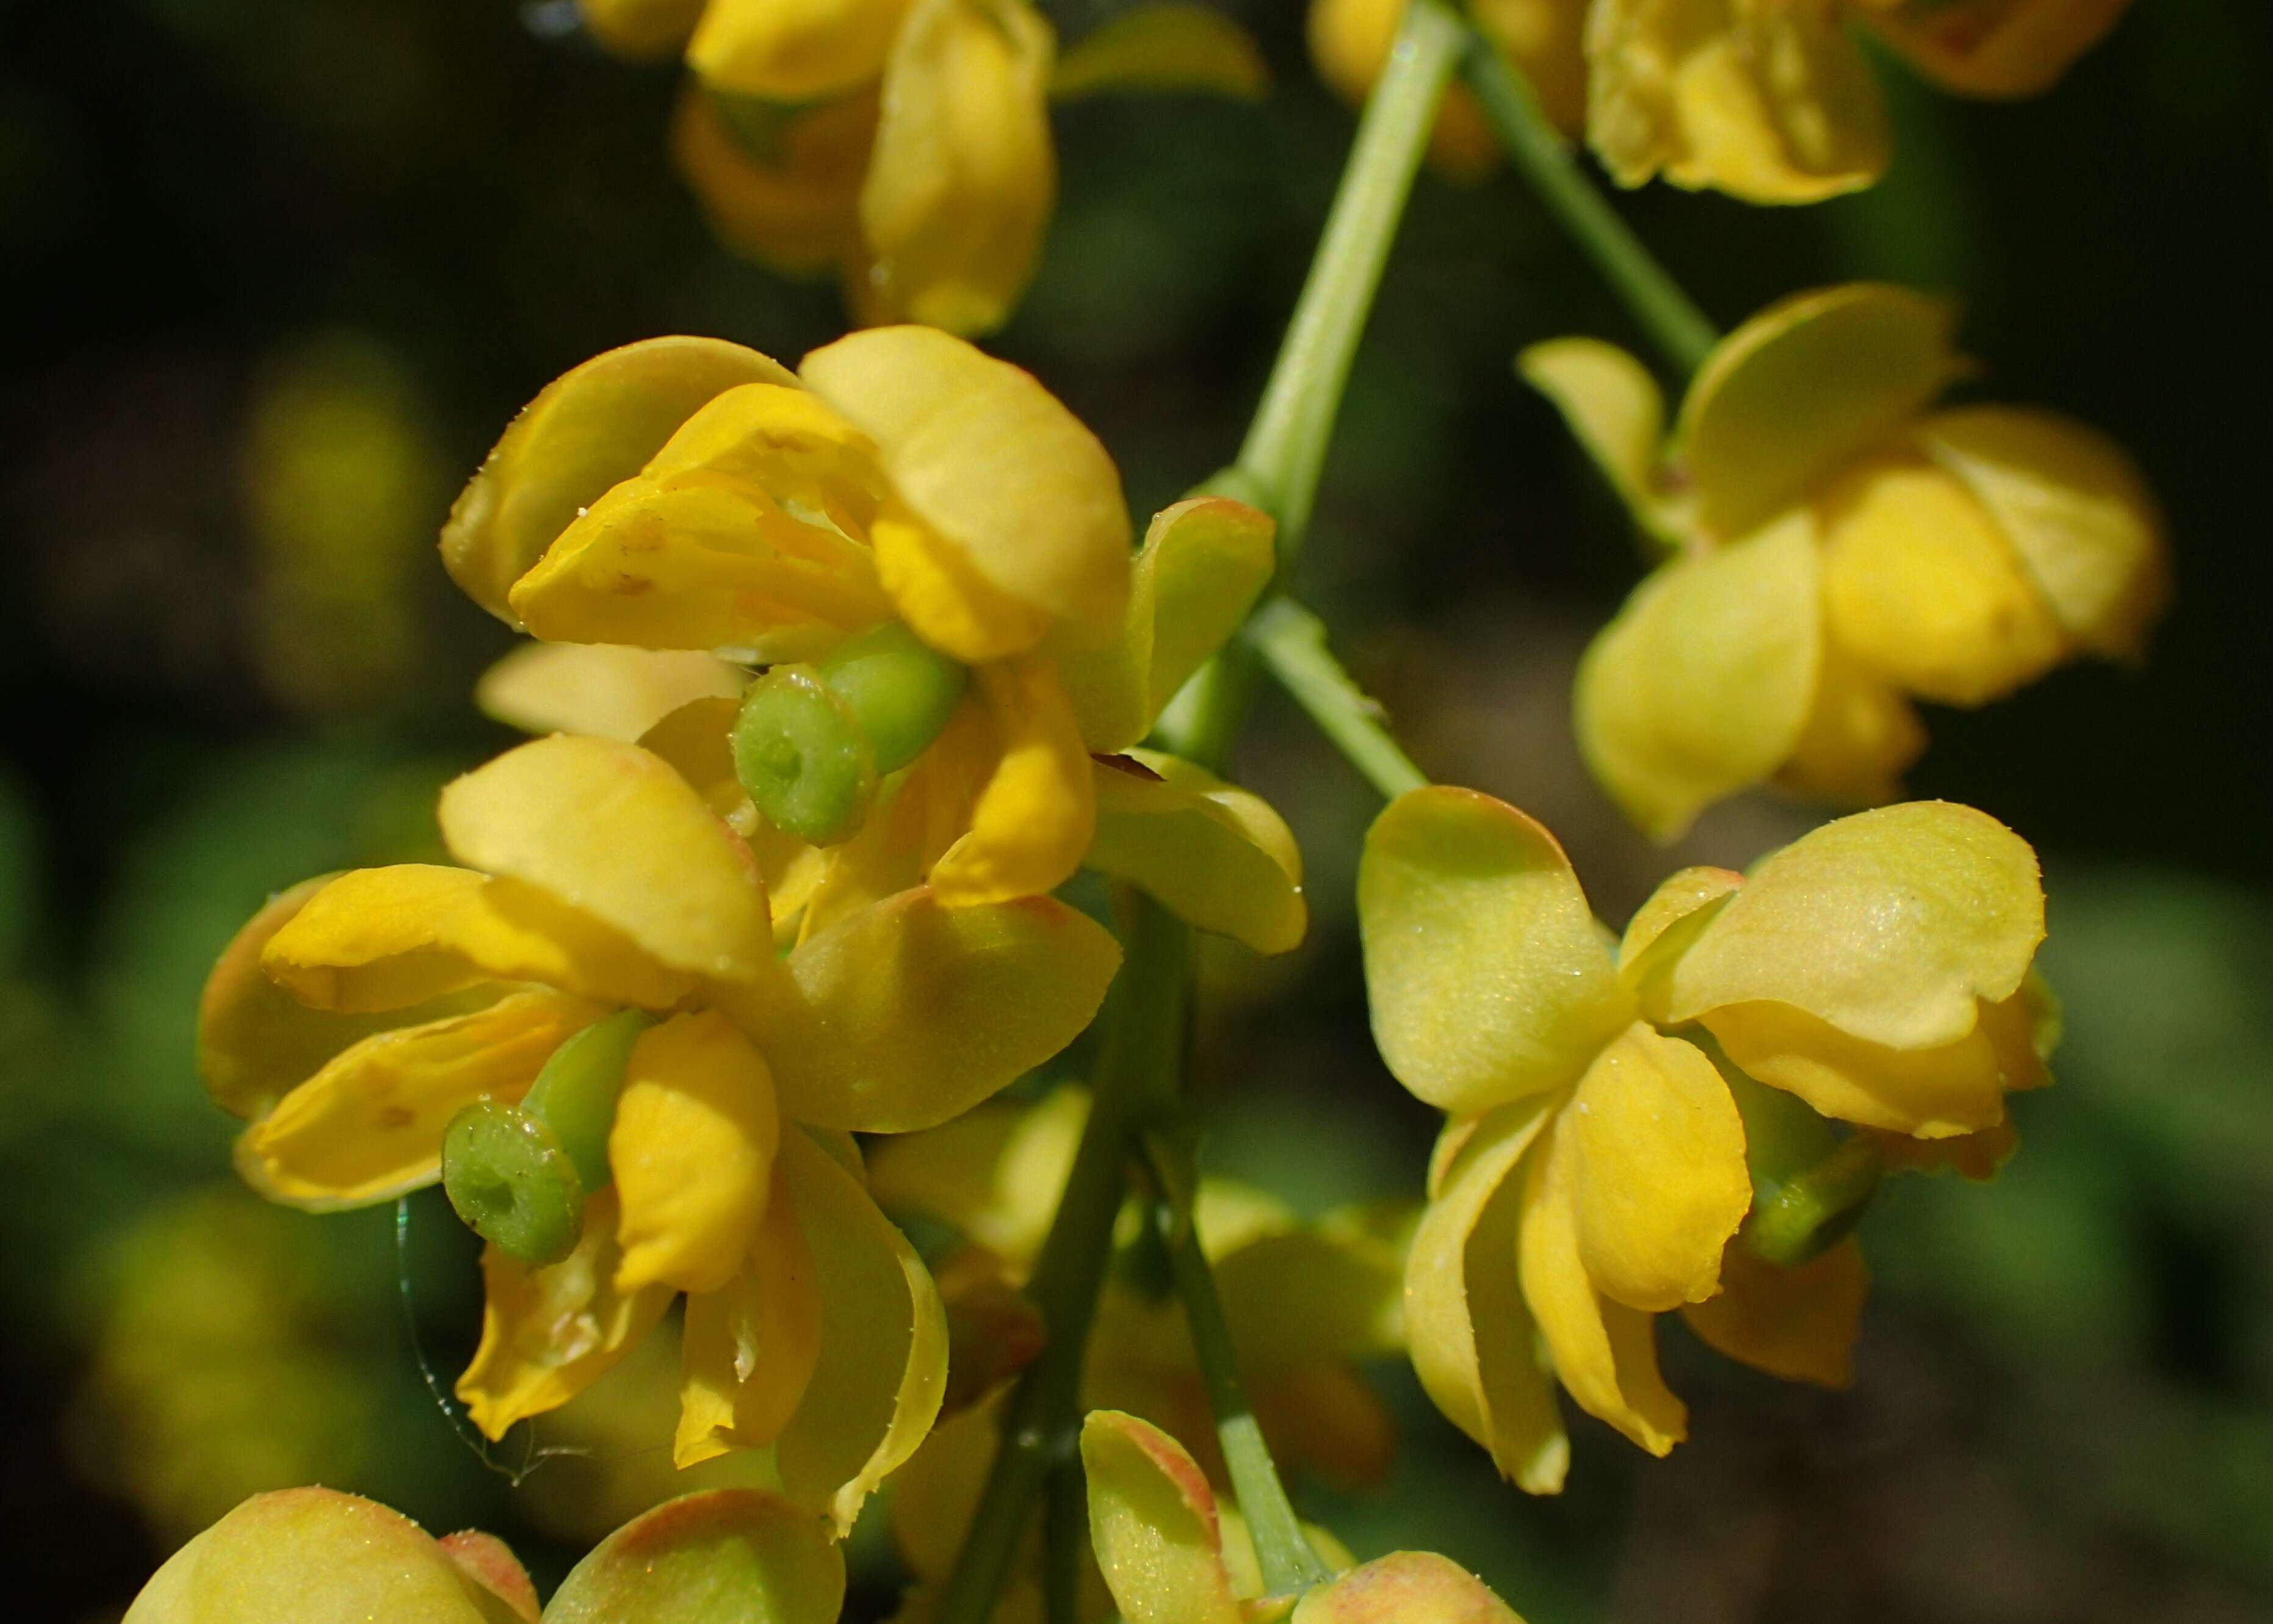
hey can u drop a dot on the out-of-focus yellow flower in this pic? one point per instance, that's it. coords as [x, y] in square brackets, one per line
[317, 1556]
[688, 494]
[1305, 1303]
[1617, 1116]
[355, 1020]
[1843, 547]
[1350, 41]
[1160, 1537]
[903, 143]
[1774, 101]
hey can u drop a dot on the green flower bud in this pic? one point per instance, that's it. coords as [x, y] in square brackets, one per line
[512, 1183]
[1811, 1182]
[574, 1095]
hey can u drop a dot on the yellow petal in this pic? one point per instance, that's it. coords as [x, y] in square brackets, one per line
[994, 1173]
[908, 1012]
[1890, 925]
[1166, 45]
[1797, 1323]
[960, 187]
[1488, 976]
[1769, 104]
[876, 1388]
[602, 689]
[704, 1558]
[548, 1333]
[1204, 561]
[1604, 1352]
[1811, 382]
[1350, 42]
[1702, 686]
[1945, 1088]
[256, 1042]
[315, 1556]
[640, 28]
[368, 1127]
[1994, 47]
[1211, 853]
[993, 466]
[1545, 39]
[1663, 928]
[1038, 812]
[614, 833]
[742, 533]
[1614, 410]
[1923, 590]
[1326, 1291]
[750, 1347]
[1326, 1417]
[796, 207]
[490, 1562]
[1404, 1587]
[792, 50]
[1152, 1521]
[1473, 1337]
[1860, 737]
[934, 1495]
[590, 429]
[1657, 1177]
[2072, 505]
[693, 1150]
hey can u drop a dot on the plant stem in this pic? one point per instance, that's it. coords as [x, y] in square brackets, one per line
[1065, 1536]
[1676, 325]
[1285, 445]
[1293, 643]
[1282, 1550]
[1145, 1040]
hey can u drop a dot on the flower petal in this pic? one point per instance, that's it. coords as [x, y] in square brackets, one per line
[368, 1127]
[792, 50]
[1332, 1290]
[1890, 925]
[1983, 47]
[1473, 1337]
[1769, 104]
[691, 1149]
[993, 466]
[2074, 505]
[379, 938]
[799, 213]
[614, 833]
[959, 190]
[640, 28]
[1945, 1088]
[883, 1370]
[1166, 45]
[1663, 928]
[1814, 380]
[590, 429]
[994, 1173]
[1604, 1352]
[1702, 686]
[1204, 561]
[1860, 737]
[1488, 976]
[750, 1347]
[1657, 1176]
[548, 1333]
[1404, 1587]
[1615, 410]
[1038, 812]
[1797, 1323]
[602, 689]
[1211, 853]
[908, 1012]
[1153, 1521]
[715, 1558]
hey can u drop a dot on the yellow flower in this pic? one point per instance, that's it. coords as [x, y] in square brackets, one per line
[688, 494]
[1617, 1118]
[317, 1556]
[1349, 46]
[1160, 1537]
[359, 1021]
[1773, 100]
[1844, 546]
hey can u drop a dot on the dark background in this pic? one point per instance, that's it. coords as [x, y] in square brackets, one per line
[278, 271]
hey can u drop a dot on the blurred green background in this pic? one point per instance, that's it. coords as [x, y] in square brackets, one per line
[280, 270]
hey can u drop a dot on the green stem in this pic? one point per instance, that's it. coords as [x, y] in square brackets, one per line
[1293, 643]
[1676, 325]
[1285, 445]
[1282, 1550]
[1065, 1536]
[1145, 1040]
